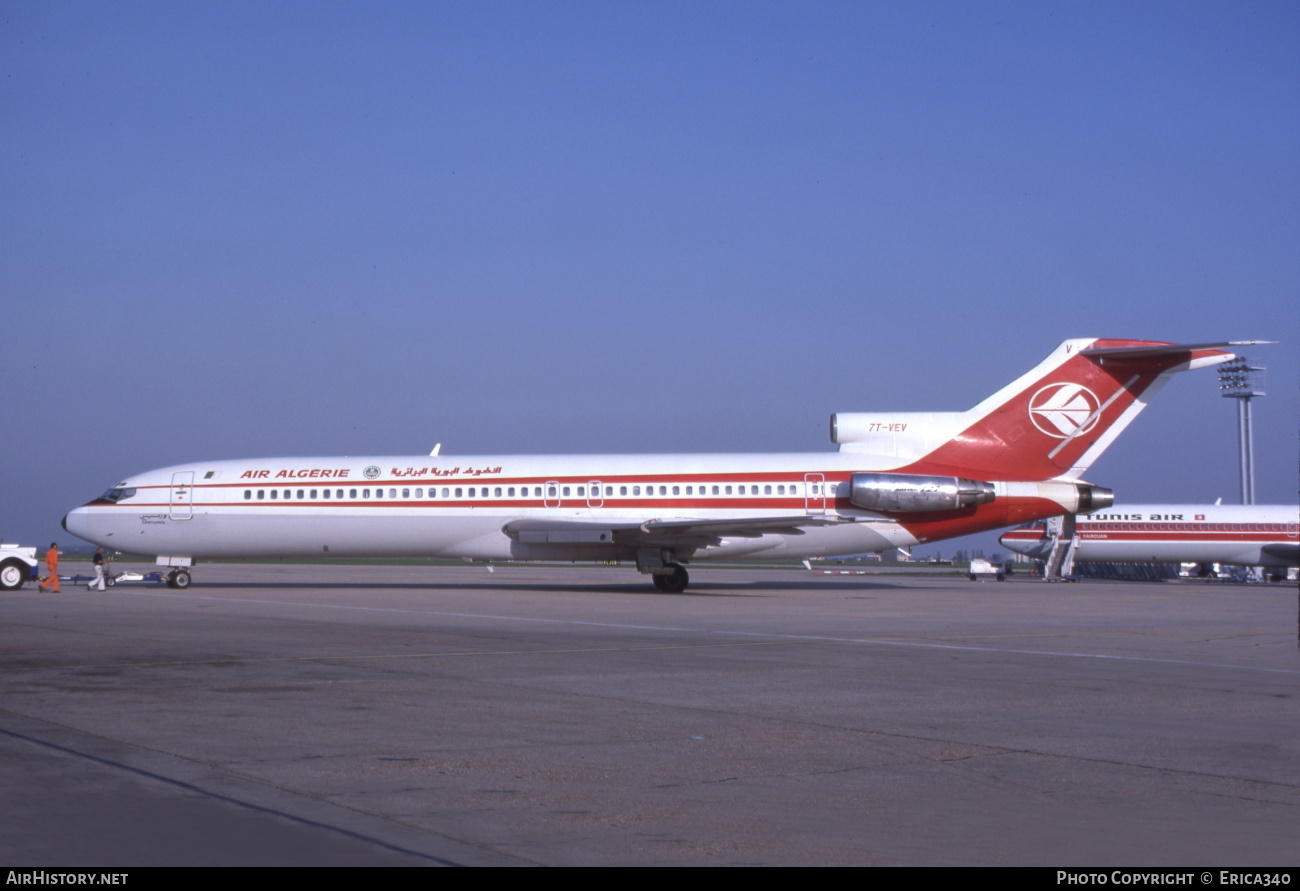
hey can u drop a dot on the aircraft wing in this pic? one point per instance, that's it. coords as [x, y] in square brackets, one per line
[1283, 550]
[660, 532]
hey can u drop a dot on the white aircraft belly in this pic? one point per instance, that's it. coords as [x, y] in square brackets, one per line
[1243, 553]
[291, 532]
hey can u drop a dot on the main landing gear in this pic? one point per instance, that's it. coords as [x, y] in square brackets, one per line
[179, 579]
[661, 564]
[673, 582]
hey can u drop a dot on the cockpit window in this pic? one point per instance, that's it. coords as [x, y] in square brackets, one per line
[118, 494]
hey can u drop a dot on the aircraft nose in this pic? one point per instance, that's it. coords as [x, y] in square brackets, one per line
[77, 523]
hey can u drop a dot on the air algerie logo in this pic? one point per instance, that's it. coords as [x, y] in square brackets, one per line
[1061, 410]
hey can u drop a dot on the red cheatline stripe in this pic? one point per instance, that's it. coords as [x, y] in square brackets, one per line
[772, 477]
[754, 503]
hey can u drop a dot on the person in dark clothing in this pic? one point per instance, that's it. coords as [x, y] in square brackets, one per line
[101, 564]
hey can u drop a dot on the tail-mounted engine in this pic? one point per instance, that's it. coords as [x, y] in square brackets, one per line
[1093, 498]
[904, 493]
[908, 493]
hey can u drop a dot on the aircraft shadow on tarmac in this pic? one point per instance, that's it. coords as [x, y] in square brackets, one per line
[754, 588]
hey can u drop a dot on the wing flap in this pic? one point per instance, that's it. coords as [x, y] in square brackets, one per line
[660, 532]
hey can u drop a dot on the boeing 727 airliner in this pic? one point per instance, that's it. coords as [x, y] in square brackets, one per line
[898, 479]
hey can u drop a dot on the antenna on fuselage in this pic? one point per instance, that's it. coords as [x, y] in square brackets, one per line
[436, 449]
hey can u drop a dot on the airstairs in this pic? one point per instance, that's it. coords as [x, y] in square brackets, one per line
[1060, 562]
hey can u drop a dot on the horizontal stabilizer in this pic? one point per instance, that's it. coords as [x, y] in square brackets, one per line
[1169, 348]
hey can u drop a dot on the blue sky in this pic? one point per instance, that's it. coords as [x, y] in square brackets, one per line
[250, 229]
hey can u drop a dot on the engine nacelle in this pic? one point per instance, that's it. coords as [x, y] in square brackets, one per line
[1093, 498]
[909, 493]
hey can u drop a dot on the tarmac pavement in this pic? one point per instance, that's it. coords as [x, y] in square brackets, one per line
[359, 715]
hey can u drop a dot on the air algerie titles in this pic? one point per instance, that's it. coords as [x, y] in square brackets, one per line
[340, 473]
[303, 474]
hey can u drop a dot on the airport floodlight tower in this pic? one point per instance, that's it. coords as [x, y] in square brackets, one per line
[1242, 380]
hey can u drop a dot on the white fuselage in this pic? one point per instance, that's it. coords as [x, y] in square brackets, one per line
[1244, 535]
[459, 506]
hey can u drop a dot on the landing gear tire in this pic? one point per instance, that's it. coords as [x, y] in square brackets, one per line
[179, 579]
[674, 582]
[12, 575]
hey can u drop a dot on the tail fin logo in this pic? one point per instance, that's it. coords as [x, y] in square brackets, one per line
[1064, 409]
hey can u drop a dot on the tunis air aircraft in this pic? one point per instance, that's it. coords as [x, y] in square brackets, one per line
[1265, 535]
[898, 479]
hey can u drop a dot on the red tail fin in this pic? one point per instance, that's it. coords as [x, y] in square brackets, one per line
[1054, 421]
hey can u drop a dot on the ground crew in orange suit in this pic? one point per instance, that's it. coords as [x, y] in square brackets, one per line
[52, 561]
